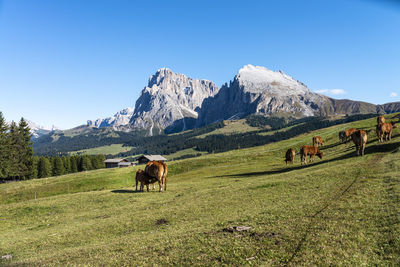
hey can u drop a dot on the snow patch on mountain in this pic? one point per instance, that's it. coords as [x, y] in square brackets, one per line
[39, 130]
[118, 121]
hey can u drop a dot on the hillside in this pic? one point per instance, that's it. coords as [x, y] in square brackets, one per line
[341, 210]
[223, 136]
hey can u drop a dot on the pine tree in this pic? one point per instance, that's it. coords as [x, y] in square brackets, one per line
[74, 164]
[44, 167]
[101, 158]
[86, 164]
[67, 164]
[25, 149]
[4, 148]
[35, 167]
[58, 167]
[93, 161]
[14, 155]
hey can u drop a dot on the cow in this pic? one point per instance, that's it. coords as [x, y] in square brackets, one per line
[290, 153]
[317, 140]
[380, 119]
[158, 170]
[360, 138]
[345, 136]
[144, 180]
[311, 151]
[384, 130]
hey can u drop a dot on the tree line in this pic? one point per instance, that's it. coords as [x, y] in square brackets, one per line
[54, 166]
[17, 161]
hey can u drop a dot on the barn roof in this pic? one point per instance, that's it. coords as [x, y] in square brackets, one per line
[115, 160]
[153, 157]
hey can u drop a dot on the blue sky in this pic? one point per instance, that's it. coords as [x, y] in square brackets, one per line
[64, 62]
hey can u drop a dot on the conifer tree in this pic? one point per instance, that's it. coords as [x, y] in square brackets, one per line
[86, 164]
[44, 167]
[4, 148]
[74, 164]
[67, 164]
[13, 153]
[101, 158]
[25, 149]
[58, 167]
[35, 167]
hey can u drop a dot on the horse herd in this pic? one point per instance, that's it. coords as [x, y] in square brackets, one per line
[359, 137]
[156, 171]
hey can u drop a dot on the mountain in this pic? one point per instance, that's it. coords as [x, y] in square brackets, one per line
[38, 130]
[118, 122]
[173, 102]
[257, 90]
[170, 101]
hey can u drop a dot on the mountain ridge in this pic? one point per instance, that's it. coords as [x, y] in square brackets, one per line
[173, 102]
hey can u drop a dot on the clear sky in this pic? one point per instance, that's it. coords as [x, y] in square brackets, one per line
[66, 61]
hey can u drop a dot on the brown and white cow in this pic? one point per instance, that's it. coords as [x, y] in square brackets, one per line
[317, 141]
[360, 138]
[380, 119]
[345, 136]
[385, 130]
[309, 151]
[158, 170]
[144, 180]
[290, 154]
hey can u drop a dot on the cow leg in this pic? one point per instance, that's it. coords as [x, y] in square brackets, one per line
[165, 183]
[136, 184]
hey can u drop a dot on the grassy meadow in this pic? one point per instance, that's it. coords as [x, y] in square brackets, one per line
[113, 149]
[341, 210]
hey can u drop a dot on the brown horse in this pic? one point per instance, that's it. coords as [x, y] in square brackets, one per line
[144, 180]
[158, 170]
[290, 153]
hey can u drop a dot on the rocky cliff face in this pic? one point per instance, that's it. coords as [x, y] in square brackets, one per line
[257, 90]
[170, 101]
[119, 121]
[173, 102]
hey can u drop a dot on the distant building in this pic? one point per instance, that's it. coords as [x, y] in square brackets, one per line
[146, 158]
[117, 163]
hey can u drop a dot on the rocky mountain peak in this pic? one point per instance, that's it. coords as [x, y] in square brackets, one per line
[170, 100]
[119, 121]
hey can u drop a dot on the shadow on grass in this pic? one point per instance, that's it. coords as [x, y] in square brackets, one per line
[378, 148]
[124, 191]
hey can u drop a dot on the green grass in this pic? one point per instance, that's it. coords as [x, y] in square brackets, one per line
[180, 153]
[232, 127]
[342, 210]
[113, 149]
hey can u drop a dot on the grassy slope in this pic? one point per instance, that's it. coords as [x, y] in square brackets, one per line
[340, 210]
[232, 127]
[113, 149]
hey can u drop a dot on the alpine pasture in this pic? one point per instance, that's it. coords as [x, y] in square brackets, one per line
[341, 210]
